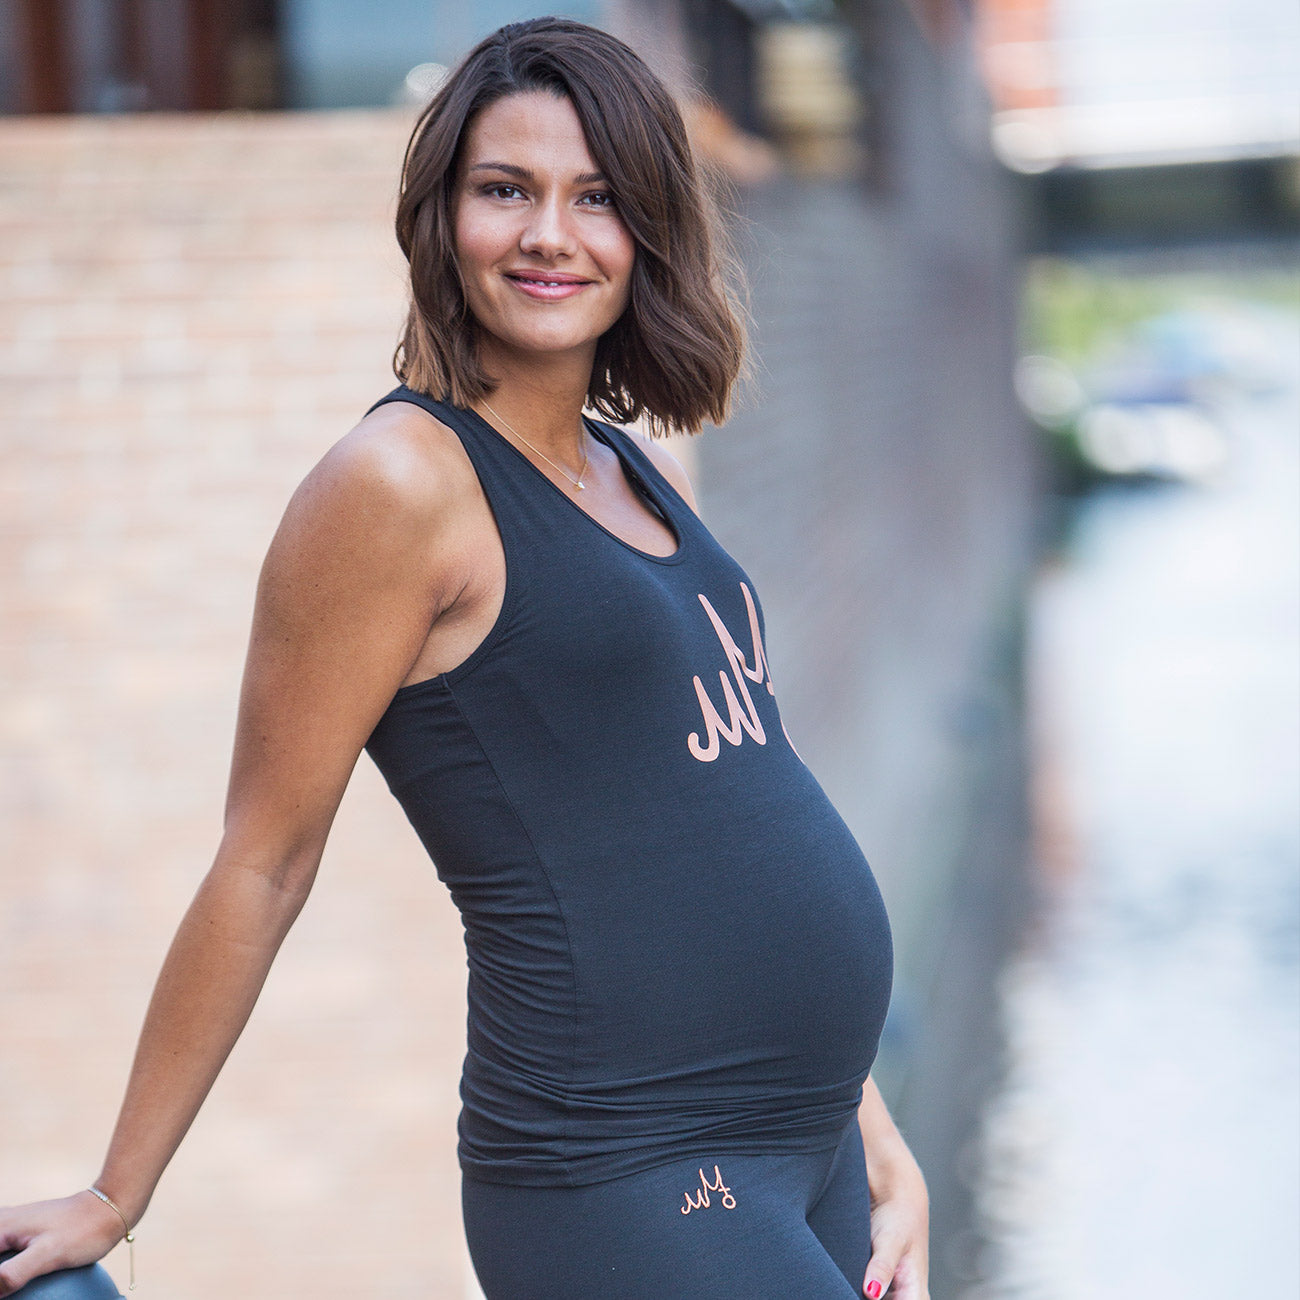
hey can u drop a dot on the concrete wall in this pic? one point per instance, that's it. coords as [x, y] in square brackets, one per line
[880, 486]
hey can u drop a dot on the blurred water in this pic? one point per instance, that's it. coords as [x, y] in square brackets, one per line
[1147, 1138]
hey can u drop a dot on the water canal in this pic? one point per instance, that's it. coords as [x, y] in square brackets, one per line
[1146, 1140]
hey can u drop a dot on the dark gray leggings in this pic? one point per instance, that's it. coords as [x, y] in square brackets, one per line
[765, 1227]
[90, 1283]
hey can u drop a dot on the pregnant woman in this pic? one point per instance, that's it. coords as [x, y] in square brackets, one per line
[679, 961]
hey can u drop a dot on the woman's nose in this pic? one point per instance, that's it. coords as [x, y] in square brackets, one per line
[548, 232]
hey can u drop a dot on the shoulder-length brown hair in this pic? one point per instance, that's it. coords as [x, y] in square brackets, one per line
[674, 354]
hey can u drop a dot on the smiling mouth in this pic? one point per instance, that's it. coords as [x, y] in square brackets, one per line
[542, 280]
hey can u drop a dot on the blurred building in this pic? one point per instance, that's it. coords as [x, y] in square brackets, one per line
[1167, 119]
[94, 56]
[105, 56]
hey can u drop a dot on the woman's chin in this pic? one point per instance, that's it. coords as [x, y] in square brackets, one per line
[535, 346]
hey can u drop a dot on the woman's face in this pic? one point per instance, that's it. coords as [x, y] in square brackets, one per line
[544, 255]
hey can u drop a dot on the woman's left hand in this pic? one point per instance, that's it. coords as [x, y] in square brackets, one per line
[900, 1230]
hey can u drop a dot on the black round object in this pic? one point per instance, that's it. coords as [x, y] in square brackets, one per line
[89, 1283]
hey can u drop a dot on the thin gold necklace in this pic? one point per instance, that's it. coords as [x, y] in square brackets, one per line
[577, 482]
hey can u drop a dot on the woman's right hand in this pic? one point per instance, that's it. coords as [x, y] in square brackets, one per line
[48, 1235]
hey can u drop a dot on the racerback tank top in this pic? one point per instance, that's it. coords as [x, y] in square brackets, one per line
[674, 943]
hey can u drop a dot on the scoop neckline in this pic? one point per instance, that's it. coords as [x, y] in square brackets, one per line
[638, 482]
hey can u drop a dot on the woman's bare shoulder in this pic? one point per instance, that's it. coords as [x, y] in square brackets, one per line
[397, 458]
[389, 499]
[379, 534]
[667, 464]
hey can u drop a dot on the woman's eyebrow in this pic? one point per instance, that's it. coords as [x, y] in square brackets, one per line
[511, 169]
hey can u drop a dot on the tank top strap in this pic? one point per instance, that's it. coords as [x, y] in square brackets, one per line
[524, 502]
[519, 501]
[644, 473]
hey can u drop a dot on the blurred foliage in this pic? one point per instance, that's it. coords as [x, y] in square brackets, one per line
[1072, 310]
[1088, 316]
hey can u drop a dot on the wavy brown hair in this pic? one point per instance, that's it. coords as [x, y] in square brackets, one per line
[673, 356]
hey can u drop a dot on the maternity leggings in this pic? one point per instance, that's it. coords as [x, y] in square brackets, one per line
[716, 1227]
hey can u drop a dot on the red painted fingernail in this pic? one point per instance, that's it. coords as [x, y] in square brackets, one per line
[873, 1289]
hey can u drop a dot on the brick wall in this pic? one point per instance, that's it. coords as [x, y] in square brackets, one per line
[193, 310]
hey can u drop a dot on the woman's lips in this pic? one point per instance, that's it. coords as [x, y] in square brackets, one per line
[547, 290]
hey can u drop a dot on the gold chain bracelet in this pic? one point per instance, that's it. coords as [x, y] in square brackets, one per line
[129, 1238]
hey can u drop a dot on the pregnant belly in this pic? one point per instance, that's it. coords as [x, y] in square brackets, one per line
[771, 972]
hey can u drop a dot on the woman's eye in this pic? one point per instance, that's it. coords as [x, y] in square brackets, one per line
[501, 190]
[599, 199]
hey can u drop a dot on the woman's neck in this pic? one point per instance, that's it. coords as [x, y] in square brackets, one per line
[543, 404]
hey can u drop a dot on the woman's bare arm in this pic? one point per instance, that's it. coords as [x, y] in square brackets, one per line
[350, 588]
[900, 1207]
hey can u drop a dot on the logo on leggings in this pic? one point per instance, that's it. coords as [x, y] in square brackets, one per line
[700, 1200]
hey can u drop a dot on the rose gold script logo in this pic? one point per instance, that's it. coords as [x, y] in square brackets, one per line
[700, 1201]
[740, 720]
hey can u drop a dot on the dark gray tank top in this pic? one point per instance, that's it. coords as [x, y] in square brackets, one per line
[675, 944]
